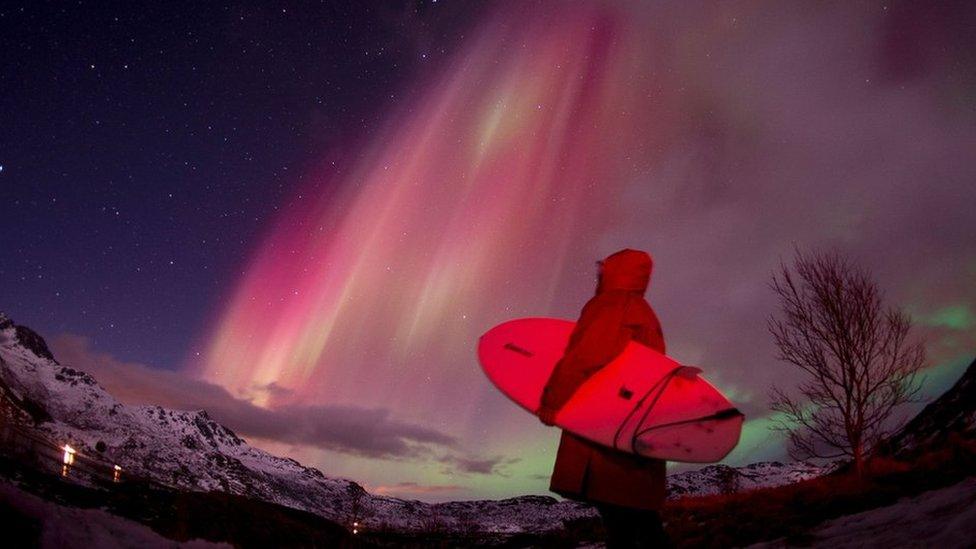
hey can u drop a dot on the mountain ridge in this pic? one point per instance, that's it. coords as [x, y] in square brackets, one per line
[952, 414]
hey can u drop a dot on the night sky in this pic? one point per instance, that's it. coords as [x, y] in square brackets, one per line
[146, 148]
[301, 218]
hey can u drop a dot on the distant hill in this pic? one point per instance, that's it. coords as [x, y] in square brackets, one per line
[951, 415]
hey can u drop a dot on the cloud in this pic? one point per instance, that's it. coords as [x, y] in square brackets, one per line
[478, 465]
[369, 432]
[275, 391]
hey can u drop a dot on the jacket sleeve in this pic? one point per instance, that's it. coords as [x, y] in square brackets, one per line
[599, 336]
[647, 328]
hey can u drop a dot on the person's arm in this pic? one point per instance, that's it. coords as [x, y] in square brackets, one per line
[596, 340]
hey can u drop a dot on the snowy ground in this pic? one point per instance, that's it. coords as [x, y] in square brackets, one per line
[63, 526]
[943, 518]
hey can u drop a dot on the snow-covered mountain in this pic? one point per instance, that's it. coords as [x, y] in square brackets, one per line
[952, 414]
[188, 450]
[718, 479]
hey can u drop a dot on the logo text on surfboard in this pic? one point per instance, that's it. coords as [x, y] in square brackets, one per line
[516, 349]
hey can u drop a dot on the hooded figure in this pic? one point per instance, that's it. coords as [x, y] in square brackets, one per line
[625, 487]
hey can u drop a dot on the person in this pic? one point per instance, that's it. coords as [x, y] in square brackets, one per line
[628, 490]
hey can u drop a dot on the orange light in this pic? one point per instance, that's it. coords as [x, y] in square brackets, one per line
[69, 455]
[67, 459]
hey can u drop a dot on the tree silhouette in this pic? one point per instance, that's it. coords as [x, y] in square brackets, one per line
[859, 361]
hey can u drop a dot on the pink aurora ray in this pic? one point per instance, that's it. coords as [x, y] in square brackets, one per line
[463, 212]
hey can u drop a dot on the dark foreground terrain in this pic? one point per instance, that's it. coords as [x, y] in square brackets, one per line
[179, 516]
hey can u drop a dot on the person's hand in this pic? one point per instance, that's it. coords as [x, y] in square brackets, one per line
[547, 415]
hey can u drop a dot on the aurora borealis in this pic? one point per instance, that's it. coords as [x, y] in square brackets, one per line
[544, 138]
[464, 211]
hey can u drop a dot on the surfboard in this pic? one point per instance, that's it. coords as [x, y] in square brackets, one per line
[643, 402]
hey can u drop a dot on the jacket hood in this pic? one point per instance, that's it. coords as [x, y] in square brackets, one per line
[625, 270]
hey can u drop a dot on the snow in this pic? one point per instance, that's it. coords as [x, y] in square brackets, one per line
[62, 526]
[944, 518]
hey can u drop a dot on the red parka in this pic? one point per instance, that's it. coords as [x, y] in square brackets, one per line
[617, 314]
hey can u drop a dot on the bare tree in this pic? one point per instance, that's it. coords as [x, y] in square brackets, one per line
[859, 361]
[728, 478]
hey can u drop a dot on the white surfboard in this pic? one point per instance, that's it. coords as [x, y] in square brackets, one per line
[643, 402]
